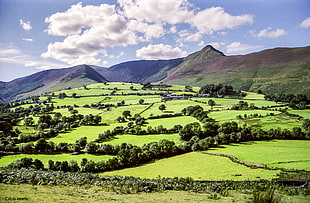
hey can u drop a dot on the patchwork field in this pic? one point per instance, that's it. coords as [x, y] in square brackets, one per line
[198, 166]
[288, 154]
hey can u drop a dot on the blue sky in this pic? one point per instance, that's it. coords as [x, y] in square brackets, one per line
[38, 35]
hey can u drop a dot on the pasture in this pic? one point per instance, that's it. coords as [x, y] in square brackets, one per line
[289, 154]
[197, 165]
[6, 160]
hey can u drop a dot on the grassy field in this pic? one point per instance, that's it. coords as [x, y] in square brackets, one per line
[91, 132]
[198, 166]
[81, 110]
[232, 114]
[6, 160]
[275, 153]
[44, 193]
[304, 113]
[140, 140]
[170, 122]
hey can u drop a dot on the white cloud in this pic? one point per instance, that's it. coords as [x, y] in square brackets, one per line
[89, 30]
[159, 11]
[215, 19]
[28, 39]
[15, 56]
[305, 23]
[160, 51]
[237, 47]
[268, 33]
[216, 45]
[25, 25]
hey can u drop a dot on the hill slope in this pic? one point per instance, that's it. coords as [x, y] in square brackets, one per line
[139, 71]
[49, 80]
[279, 70]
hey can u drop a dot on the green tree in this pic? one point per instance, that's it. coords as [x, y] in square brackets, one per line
[141, 101]
[126, 114]
[306, 124]
[211, 103]
[41, 145]
[28, 121]
[162, 107]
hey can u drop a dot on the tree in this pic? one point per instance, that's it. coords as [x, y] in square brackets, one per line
[211, 103]
[141, 101]
[190, 130]
[126, 114]
[41, 145]
[306, 124]
[162, 107]
[38, 164]
[28, 121]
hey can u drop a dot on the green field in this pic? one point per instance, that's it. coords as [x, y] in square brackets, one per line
[198, 166]
[6, 160]
[140, 140]
[170, 122]
[293, 153]
[279, 153]
[91, 132]
[44, 193]
[304, 113]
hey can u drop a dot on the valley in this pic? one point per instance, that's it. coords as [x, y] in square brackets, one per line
[155, 131]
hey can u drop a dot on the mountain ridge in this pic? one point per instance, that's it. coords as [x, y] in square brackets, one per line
[277, 70]
[49, 80]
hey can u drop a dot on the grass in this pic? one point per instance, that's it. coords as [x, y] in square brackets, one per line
[227, 103]
[140, 140]
[91, 132]
[174, 106]
[254, 96]
[198, 166]
[271, 153]
[304, 113]
[279, 121]
[44, 193]
[170, 122]
[81, 110]
[232, 114]
[6, 160]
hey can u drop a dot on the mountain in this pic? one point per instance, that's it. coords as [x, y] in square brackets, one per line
[278, 70]
[139, 71]
[48, 81]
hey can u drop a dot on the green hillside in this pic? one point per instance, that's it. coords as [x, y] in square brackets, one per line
[279, 70]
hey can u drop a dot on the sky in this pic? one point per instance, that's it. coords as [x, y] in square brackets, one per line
[38, 35]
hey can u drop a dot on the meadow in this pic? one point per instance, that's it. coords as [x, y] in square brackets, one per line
[289, 154]
[6, 160]
[198, 166]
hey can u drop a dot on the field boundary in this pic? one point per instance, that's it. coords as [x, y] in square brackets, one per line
[236, 160]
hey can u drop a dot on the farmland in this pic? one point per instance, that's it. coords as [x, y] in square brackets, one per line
[127, 129]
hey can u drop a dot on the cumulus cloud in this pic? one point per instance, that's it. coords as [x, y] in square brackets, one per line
[160, 51]
[268, 33]
[215, 19]
[89, 30]
[237, 47]
[305, 23]
[25, 25]
[159, 11]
